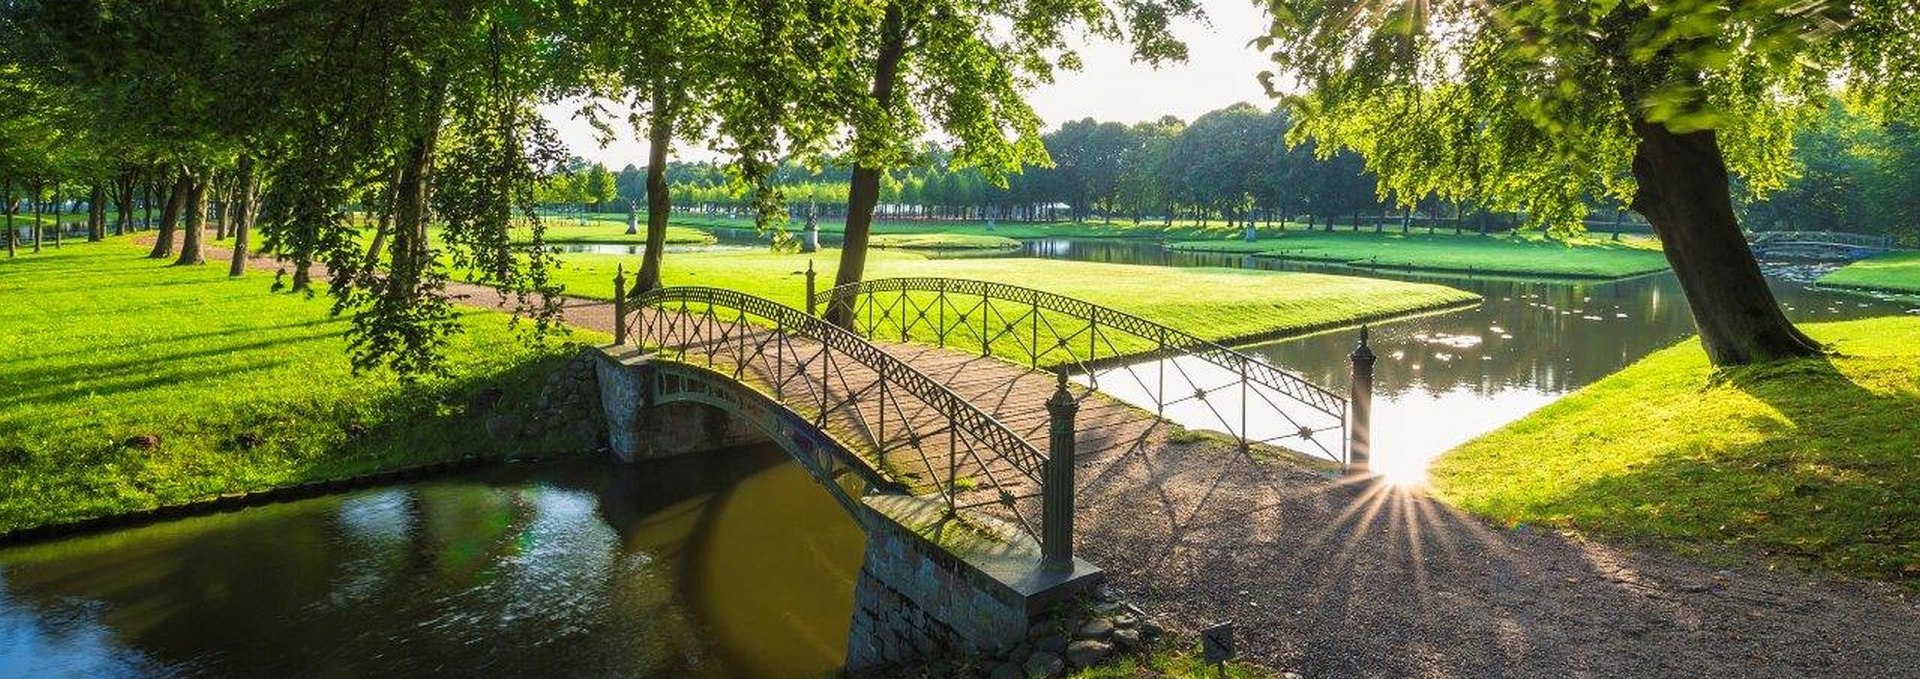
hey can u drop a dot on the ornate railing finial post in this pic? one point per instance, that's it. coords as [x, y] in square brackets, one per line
[812, 308]
[1056, 516]
[620, 304]
[1360, 407]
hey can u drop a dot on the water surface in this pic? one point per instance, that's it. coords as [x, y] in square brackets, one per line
[723, 565]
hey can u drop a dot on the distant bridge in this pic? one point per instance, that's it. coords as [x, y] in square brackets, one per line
[1823, 246]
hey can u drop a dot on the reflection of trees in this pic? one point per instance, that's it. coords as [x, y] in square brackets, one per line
[1550, 350]
[1553, 347]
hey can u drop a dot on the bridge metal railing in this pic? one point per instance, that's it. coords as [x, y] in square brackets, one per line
[1120, 354]
[913, 429]
[1821, 237]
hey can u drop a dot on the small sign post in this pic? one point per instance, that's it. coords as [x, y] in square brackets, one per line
[1216, 646]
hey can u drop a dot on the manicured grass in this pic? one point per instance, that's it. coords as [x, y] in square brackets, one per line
[1518, 254]
[942, 241]
[1814, 461]
[1217, 304]
[246, 389]
[1895, 272]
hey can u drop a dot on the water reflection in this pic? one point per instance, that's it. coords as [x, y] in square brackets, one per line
[1444, 379]
[732, 565]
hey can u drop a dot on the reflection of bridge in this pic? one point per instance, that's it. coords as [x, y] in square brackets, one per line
[1817, 245]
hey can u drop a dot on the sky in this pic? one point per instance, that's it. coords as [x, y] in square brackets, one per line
[1220, 70]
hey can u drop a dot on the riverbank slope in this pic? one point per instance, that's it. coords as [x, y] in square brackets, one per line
[1809, 462]
[1897, 273]
[1528, 254]
[133, 385]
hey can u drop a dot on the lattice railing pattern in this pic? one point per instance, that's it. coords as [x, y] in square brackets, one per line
[1174, 372]
[914, 431]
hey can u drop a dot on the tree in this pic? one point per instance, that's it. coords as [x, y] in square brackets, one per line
[956, 65]
[1538, 104]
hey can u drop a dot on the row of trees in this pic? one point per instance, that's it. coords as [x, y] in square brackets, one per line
[425, 111]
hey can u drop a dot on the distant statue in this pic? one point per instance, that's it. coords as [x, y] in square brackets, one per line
[811, 241]
[989, 221]
[1248, 232]
[633, 219]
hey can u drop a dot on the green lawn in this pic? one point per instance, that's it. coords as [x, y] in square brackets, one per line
[1813, 461]
[1896, 272]
[1519, 254]
[104, 345]
[1217, 304]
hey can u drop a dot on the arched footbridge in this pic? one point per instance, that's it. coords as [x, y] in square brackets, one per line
[1824, 246]
[941, 388]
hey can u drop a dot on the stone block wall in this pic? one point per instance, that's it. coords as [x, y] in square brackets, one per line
[918, 599]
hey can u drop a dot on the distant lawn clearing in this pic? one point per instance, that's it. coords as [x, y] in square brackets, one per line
[1523, 254]
[1218, 304]
[1896, 272]
[1816, 461]
[246, 389]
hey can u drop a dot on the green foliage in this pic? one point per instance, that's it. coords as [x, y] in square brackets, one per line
[1809, 460]
[1530, 104]
[245, 389]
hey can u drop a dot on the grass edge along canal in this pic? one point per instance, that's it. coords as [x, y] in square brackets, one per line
[183, 385]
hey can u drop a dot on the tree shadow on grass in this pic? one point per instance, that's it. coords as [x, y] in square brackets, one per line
[1830, 478]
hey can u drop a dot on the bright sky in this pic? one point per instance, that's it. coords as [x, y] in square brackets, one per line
[1220, 71]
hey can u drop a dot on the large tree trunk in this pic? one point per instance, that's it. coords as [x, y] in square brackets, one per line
[97, 214]
[1683, 191]
[864, 191]
[196, 208]
[170, 219]
[659, 138]
[409, 258]
[243, 225]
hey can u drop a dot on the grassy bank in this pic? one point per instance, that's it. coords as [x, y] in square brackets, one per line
[1814, 461]
[1526, 254]
[1213, 303]
[1898, 272]
[244, 389]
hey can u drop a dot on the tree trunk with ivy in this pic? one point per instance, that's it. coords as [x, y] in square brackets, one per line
[1683, 192]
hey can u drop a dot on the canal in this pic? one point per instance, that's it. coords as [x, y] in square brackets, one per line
[725, 565]
[722, 565]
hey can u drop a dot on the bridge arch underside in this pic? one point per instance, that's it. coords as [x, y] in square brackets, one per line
[687, 409]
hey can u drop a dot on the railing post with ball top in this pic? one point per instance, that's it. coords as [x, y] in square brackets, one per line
[620, 305]
[1056, 515]
[1359, 433]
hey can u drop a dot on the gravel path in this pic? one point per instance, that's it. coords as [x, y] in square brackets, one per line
[1330, 578]
[1338, 579]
